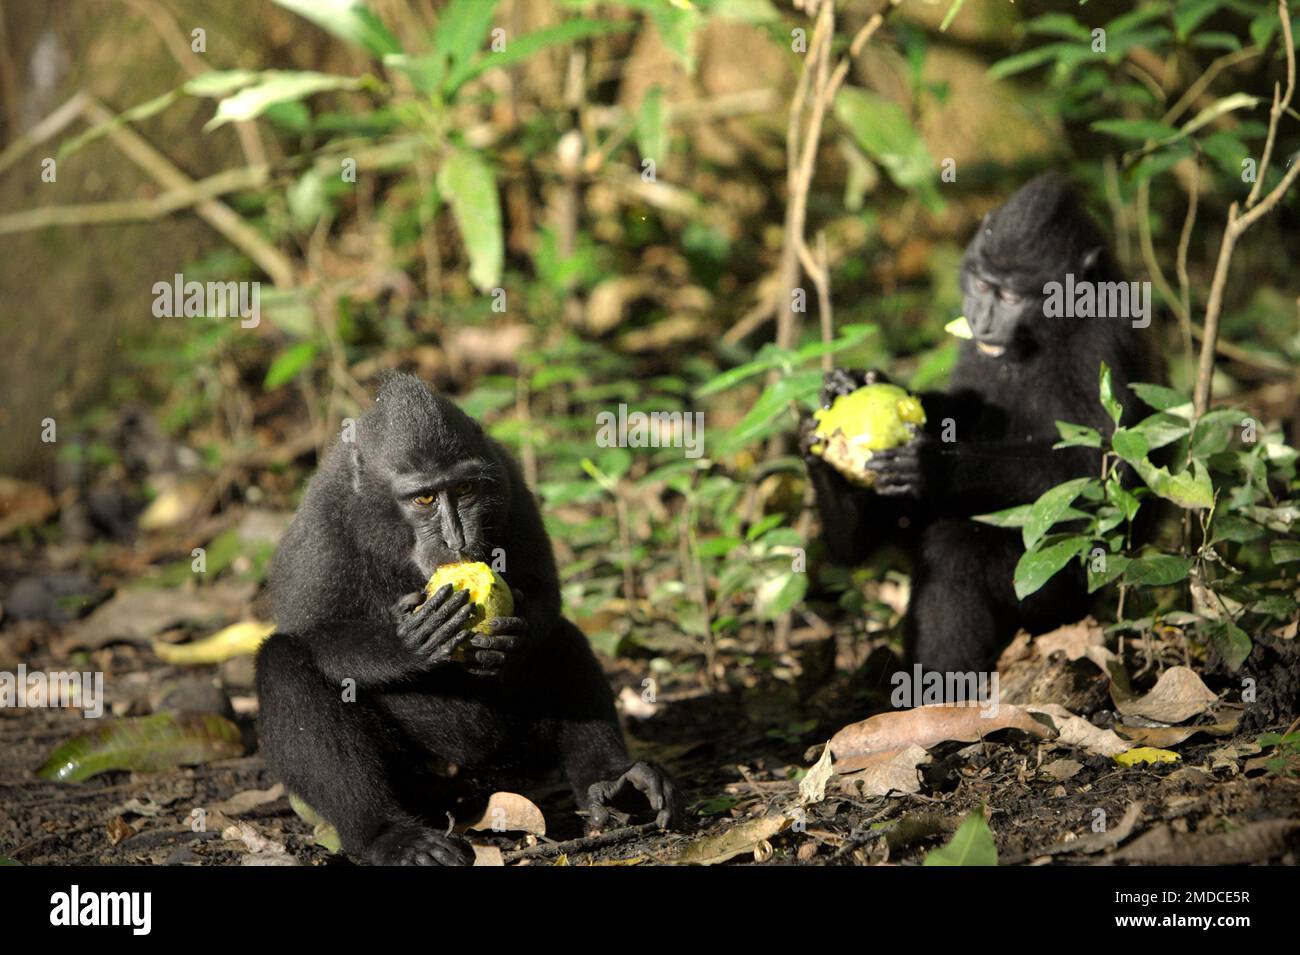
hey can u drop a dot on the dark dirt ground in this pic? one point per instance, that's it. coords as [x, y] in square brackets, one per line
[1218, 805]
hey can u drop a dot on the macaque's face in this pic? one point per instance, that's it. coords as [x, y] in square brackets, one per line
[449, 511]
[1000, 307]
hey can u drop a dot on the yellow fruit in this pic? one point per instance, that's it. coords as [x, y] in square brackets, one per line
[959, 328]
[488, 591]
[870, 419]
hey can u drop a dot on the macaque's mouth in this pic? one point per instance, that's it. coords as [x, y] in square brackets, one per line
[993, 351]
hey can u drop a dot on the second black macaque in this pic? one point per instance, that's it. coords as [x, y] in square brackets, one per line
[365, 683]
[987, 442]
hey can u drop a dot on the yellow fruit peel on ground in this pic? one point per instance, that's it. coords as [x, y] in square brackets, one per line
[1146, 754]
[488, 591]
[235, 640]
[873, 418]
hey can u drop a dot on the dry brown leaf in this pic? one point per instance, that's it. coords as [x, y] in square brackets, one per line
[879, 774]
[510, 812]
[248, 800]
[23, 504]
[925, 726]
[737, 840]
[487, 855]
[137, 615]
[1178, 695]
[1074, 730]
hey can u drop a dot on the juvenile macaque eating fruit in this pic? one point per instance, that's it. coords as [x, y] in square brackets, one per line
[858, 424]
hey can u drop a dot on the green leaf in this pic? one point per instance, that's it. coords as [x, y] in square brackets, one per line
[1028, 60]
[780, 593]
[149, 744]
[1130, 445]
[289, 364]
[1037, 567]
[887, 134]
[652, 127]
[276, 86]
[521, 48]
[1112, 566]
[1160, 429]
[1190, 489]
[1231, 642]
[1108, 400]
[1284, 551]
[349, 20]
[1214, 430]
[463, 26]
[470, 188]
[1077, 435]
[1051, 508]
[1138, 130]
[951, 15]
[1189, 14]
[1158, 571]
[1011, 517]
[971, 845]
[1158, 396]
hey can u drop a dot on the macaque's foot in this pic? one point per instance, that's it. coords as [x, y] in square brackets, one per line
[605, 799]
[409, 843]
[842, 381]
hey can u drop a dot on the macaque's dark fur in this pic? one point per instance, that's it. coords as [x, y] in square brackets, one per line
[531, 697]
[963, 608]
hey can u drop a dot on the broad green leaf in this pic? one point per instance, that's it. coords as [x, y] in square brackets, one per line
[149, 744]
[780, 593]
[1050, 508]
[1077, 435]
[276, 86]
[1189, 489]
[1037, 567]
[1027, 60]
[467, 184]
[887, 134]
[1160, 429]
[1011, 517]
[1284, 551]
[1189, 14]
[1129, 444]
[971, 845]
[462, 29]
[1058, 24]
[1214, 430]
[349, 20]
[1158, 396]
[1230, 641]
[1112, 565]
[1158, 571]
[289, 364]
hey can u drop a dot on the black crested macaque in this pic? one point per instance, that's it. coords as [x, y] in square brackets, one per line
[987, 442]
[362, 687]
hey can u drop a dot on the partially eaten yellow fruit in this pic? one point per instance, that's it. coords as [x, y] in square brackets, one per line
[856, 425]
[488, 592]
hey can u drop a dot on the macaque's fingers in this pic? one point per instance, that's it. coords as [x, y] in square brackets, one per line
[416, 627]
[409, 602]
[495, 641]
[439, 646]
[488, 661]
[516, 626]
[649, 781]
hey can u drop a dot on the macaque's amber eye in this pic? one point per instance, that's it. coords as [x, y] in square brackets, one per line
[424, 500]
[464, 489]
[981, 285]
[1008, 296]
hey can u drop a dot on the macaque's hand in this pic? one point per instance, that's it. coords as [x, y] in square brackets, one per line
[842, 381]
[432, 630]
[642, 781]
[901, 471]
[412, 844]
[488, 654]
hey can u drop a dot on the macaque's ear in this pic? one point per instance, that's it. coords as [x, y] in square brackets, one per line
[1090, 259]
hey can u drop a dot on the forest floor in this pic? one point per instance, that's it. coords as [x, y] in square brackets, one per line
[738, 755]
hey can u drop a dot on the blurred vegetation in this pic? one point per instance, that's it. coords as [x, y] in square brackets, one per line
[549, 209]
